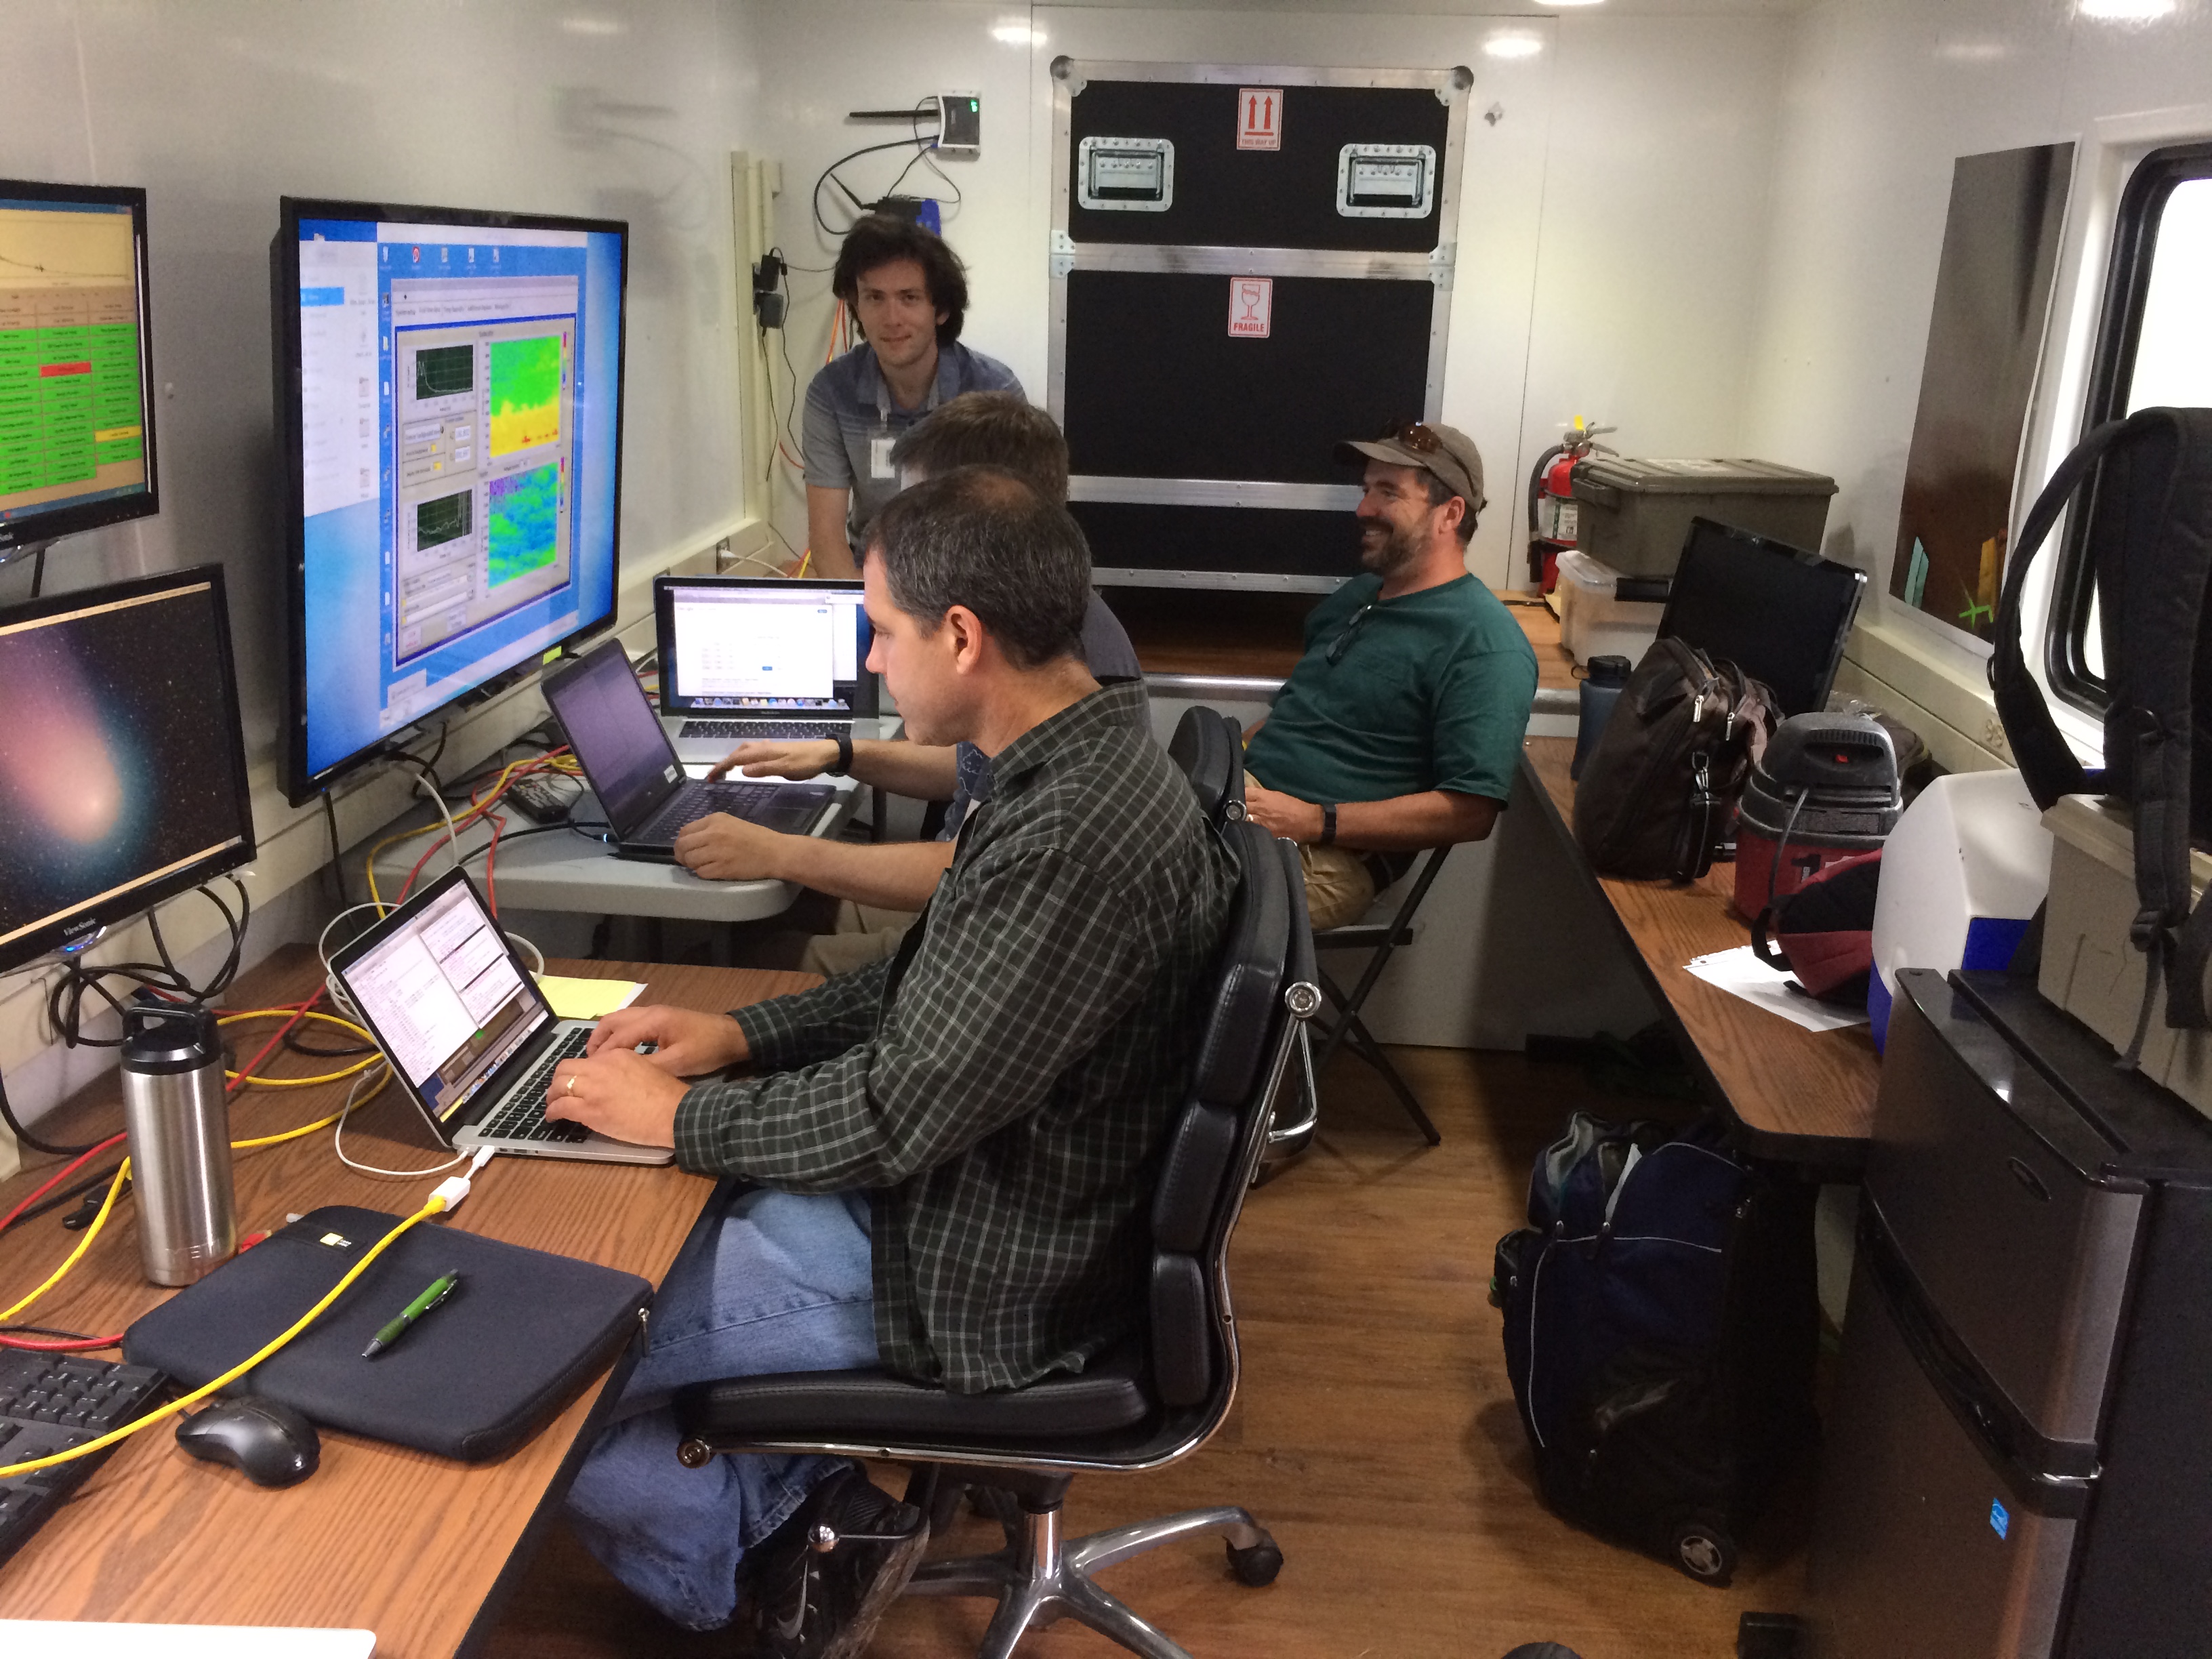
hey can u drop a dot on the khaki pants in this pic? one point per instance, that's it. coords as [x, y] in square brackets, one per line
[864, 936]
[1339, 884]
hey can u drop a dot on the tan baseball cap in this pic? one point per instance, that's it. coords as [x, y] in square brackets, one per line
[1431, 445]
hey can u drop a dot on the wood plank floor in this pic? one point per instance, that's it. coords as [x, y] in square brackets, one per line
[1375, 1436]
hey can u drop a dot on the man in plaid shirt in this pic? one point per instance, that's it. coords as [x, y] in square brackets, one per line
[947, 1157]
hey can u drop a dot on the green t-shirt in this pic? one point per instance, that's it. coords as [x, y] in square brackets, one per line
[1431, 691]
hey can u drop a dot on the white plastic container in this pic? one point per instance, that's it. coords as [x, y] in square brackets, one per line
[2089, 968]
[1961, 875]
[1594, 620]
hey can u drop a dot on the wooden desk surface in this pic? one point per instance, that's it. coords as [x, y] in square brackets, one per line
[1805, 1096]
[409, 1545]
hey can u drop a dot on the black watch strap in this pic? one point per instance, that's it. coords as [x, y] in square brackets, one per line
[844, 761]
[1328, 825]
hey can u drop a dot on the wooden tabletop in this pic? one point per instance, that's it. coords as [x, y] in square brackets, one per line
[412, 1547]
[1803, 1096]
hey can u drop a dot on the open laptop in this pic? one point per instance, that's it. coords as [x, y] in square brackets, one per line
[1777, 612]
[632, 767]
[749, 657]
[469, 1035]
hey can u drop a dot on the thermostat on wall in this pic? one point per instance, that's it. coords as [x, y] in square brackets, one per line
[1126, 175]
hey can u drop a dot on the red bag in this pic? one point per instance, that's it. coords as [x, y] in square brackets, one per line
[1824, 932]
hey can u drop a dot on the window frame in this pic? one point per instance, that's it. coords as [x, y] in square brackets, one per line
[2119, 332]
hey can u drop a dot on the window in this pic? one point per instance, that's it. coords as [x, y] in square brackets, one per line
[2155, 347]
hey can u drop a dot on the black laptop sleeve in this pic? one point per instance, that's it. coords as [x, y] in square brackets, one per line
[473, 1379]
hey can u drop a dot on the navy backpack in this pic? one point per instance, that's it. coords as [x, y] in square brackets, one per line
[1660, 1326]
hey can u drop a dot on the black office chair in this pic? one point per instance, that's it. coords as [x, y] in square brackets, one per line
[1209, 746]
[1144, 1404]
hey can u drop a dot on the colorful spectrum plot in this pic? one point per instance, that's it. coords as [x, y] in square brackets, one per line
[525, 393]
[521, 517]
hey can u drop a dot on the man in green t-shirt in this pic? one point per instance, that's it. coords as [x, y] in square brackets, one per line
[1400, 726]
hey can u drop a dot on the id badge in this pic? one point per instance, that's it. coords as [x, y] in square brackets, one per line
[879, 457]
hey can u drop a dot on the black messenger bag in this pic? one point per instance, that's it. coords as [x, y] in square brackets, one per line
[2149, 547]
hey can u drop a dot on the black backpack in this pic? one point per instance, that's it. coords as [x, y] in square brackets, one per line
[1660, 1328]
[2149, 546]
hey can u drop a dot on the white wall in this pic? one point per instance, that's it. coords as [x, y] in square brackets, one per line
[1882, 96]
[1609, 236]
[219, 107]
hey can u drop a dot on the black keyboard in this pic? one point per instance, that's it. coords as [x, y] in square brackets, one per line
[48, 1403]
[522, 1117]
[697, 800]
[741, 731]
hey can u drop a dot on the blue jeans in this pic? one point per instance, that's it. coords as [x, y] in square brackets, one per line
[767, 1282]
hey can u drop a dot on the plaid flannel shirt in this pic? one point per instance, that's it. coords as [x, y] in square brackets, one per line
[1003, 1087]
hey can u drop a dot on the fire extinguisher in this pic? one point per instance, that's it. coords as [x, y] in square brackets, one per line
[1551, 499]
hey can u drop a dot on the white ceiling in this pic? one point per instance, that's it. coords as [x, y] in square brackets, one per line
[1475, 8]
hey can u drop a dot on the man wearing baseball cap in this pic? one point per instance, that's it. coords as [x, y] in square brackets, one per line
[1400, 726]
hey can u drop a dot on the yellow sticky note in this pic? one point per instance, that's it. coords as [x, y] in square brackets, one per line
[587, 999]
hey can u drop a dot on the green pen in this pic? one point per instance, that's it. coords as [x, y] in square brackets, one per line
[438, 1290]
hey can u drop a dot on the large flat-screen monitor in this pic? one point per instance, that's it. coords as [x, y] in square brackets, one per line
[122, 771]
[76, 421]
[1779, 613]
[449, 417]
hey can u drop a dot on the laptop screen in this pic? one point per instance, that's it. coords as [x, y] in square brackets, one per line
[611, 726]
[1779, 613]
[444, 995]
[764, 646]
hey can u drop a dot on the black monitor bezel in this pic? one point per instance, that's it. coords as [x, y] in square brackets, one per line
[121, 907]
[301, 784]
[867, 696]
[1856, 579]
[61, 521]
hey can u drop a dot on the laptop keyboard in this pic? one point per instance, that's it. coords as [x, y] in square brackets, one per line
[738, 730]
[522, 1117]
[48, 1403]
[697, 800]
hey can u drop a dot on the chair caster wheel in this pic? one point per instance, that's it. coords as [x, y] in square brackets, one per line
[1258, 1565]
[1704, 1551]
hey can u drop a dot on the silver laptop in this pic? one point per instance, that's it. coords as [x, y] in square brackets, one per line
[745, 657]
[468, 1033]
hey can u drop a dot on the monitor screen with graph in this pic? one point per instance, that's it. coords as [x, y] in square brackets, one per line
[77, 425]
[449, 386]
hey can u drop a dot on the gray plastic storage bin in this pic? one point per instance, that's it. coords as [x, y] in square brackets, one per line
[1635, 515]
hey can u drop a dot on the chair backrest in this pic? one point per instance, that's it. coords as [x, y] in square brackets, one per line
[1209, 746]
[1263, 987]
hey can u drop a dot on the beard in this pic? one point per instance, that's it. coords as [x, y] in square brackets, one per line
[1386, 548]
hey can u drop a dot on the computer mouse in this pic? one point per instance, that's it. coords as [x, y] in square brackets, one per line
[270, 1445]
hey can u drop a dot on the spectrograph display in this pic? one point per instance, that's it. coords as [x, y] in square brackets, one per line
[521, 517]
[525, 393]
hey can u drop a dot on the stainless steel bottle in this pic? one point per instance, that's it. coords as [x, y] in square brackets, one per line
[179, 1120]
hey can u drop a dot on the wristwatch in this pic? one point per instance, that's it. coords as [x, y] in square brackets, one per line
[844, 760]
[1328, 825]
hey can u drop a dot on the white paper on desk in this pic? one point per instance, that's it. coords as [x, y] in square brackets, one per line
[29, 1638]
[1741, 973]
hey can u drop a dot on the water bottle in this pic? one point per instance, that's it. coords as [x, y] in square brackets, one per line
[179, 1122]
[1600, 692]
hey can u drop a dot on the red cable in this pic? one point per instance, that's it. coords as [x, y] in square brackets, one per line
[491, 857]
[74, 1345]
[254, 1064]
[53, 1181]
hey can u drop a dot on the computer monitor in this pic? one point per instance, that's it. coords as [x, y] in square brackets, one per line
[122, 772]
[76, 421]
[449, 413]
[1779, 613]
[762, 646]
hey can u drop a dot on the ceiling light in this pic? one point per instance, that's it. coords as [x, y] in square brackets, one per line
[2132, 11]
[1972, 51]
[1512, 45]
[1017, 34]
[591, 26]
